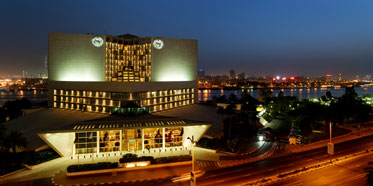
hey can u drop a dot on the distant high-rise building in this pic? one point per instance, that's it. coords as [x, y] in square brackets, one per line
[367, 77]
[46, 66]
[241, 75]
[328, 77]
[340, 77]
[201, 73]
[232, 74]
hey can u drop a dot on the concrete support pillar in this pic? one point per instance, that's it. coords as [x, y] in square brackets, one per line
[142, 139]
[98, 142]
[120, 143]
[163, 138]
[74, 148]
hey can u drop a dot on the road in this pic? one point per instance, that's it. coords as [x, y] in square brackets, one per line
[344, 174]
[248, 172]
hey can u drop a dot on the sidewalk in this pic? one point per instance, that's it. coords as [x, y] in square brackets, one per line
[241, 159]
[339, 139]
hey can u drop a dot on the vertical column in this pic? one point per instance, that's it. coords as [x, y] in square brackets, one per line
[120, 142]
[98, 142]
[74, 149]
[142, 139]
[163, 138]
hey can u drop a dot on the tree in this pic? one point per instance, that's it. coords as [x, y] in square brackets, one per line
[13, 140]
[248, 102]
[2, 135]
[25, 103]
[230, 110]
[13, 108]
[265, 95]
[232, 98]
[307, 115]
[221, 99]
[2, 115]
[221, 111]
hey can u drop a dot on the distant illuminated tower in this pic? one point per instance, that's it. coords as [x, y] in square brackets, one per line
[232, 74]
[201, 73]
[328, 77]
[241, 75]
[46, 66]
[340, 77]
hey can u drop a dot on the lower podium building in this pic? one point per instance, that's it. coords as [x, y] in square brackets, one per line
[118, 134]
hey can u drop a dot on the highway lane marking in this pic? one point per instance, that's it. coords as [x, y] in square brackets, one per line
[359, 176]
[341, 170]
[358, 165]
[290, 164]
[309, 160]
[294, 183]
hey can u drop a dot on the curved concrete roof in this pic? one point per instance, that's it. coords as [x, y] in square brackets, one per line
[46, 119]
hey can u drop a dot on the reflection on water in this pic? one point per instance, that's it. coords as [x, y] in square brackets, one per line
[34, 96]
[299, 93]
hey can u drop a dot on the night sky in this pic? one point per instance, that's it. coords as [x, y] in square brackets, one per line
[258, 37]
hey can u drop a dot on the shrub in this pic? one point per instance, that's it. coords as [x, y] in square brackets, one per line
[172, 159]
[91, 166]
[133, 158]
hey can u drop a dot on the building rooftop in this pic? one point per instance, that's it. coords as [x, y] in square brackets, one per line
[118, 122]
[52, 120]
[198, 112]
[46, 119]
[128, 36]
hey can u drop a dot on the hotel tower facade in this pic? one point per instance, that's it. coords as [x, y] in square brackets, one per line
[107, 74]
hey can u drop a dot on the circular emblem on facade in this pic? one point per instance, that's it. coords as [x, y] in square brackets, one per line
[158, 44]
[97, 41]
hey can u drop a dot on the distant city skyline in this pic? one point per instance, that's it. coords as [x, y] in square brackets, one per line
[292, 38]
[236, 73]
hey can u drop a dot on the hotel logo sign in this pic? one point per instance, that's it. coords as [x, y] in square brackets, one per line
[97, 41]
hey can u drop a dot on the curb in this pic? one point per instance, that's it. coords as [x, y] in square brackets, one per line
[324, 164]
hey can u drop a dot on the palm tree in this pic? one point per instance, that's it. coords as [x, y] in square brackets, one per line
[15, 139]
[230, 110]
[221, 111]
[2, 115]
[2, 135]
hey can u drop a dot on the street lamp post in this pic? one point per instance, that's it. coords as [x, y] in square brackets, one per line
[192, 174]
[330, 144]
[330, 132]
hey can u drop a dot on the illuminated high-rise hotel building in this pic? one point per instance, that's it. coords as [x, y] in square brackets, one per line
[107, 74]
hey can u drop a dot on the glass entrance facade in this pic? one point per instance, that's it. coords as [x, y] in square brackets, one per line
[132, 140]
[128, 140]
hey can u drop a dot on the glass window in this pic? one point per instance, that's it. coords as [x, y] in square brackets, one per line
[85, 142]
[109, 141]
[174, 136]
[153, 138]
